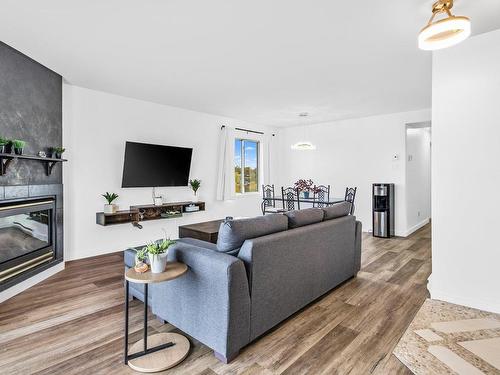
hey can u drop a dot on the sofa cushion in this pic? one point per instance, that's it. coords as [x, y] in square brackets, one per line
[299, 218]
[337, 210]
[232, 233]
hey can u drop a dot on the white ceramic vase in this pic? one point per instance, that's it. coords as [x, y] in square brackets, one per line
[109, 208]
[158, 262]
[195, 197]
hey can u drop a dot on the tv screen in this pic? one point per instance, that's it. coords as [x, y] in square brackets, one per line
[148, 165]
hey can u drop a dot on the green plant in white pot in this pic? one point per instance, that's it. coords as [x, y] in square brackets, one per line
[110, 208]
[157, 253]
[195, 185]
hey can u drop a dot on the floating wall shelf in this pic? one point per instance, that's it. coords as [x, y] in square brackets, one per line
[6, 159]
[148, 212]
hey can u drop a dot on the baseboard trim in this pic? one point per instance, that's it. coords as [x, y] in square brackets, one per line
[23, 285]
[490, 306]
[416, 227]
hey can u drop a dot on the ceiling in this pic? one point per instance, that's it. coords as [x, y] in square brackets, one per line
[254, 60]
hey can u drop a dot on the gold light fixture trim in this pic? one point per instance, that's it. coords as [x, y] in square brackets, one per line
[445, 32]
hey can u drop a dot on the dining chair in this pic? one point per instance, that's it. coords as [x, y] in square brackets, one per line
[321, 195]
[290, 198]
[268, 200]
[350, 194]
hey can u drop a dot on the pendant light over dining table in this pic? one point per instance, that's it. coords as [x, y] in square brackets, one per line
[445, 32]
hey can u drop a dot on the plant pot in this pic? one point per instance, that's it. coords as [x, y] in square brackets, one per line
[195, 198]
[306, 194]
[8, 148]
[2, 149]
[109, 208]
[58, 155]
[18, 151]
[158, 262]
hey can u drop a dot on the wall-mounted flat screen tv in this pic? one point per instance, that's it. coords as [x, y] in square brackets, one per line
[148, 165]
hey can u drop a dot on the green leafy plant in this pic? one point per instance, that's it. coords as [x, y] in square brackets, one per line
[3, 141]
[58, 150]
[17, 143]
[110, 197]
[158, 247]
[195, 185]
[141, 254]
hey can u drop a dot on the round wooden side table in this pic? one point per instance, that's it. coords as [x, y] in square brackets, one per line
[169, 349]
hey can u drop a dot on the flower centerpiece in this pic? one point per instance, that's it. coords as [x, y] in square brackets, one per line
[157, 252]
[304, 187]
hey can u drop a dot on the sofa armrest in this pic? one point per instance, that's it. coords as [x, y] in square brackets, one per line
[357, 247]
[211, 302]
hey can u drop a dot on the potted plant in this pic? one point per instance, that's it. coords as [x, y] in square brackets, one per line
[18, 146]
[58, 151]
[304, 186]
[3, 145]
[140, 257]
[110, 208]
[195, 185]
[157, 253]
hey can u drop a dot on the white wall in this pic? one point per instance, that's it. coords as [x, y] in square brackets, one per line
[418, 177]
[466, 173]
[96, 126]
[356, 152]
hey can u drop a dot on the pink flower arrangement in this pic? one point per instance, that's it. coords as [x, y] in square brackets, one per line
[304, 185]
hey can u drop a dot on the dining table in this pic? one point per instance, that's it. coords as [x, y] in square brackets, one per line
[310, 201]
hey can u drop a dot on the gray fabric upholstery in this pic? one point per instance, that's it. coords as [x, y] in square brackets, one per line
[211, 302]
[337, 210]
[357, 245]
[300, 218]
[226, 302]
[233, 233]
[199, 243]
[290, 269]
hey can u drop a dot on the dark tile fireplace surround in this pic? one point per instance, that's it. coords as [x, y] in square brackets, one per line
[31, 202]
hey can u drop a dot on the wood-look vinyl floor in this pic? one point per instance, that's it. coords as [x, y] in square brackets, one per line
[72, 323]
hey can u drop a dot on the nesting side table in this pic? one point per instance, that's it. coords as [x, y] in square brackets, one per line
[168, 349]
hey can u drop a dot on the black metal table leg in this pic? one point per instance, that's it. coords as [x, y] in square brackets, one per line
[126, 322]
[128, 357]
[145, 318]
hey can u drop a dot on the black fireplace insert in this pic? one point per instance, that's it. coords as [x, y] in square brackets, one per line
[27, 237]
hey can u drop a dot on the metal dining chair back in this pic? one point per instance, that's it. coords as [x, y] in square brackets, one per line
[321, 196]
[267, 198]
[290, 198]
[350, 195]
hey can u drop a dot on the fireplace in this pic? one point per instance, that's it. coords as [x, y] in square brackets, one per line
[27, 238]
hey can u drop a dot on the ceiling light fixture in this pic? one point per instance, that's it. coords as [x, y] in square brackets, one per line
[445, 32]
[303, 114]
[303, 146]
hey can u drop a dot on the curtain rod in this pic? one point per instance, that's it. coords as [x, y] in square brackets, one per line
[247, 130]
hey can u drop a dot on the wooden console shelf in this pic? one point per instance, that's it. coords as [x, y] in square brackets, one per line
[147, 212]
[6, 159]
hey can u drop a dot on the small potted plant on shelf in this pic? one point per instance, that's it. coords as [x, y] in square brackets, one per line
[58, 152]
[3, 145]
[195, 185]
[157, 253]
[18, 146]
[110, 208]
[304, 187]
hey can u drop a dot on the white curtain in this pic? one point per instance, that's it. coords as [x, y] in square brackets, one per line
[225, 179]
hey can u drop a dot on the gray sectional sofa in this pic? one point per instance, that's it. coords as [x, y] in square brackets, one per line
[261, 271]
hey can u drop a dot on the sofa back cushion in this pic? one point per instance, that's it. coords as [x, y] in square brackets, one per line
[337, 210]
[232, 233]
[299, 218]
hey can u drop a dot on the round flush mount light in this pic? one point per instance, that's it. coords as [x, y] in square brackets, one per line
[303, 114]
[445, 32]
[303, 146]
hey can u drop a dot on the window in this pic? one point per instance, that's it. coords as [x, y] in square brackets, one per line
[246, 166]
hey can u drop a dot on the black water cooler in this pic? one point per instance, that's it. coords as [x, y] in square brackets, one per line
[383, 210]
